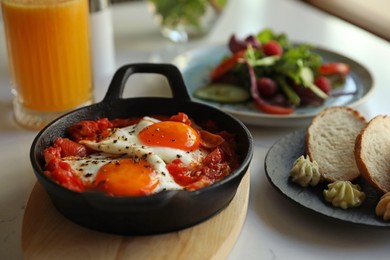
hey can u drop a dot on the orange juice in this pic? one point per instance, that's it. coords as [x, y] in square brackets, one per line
[49, 53]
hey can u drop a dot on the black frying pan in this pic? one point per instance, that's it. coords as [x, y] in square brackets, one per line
[159, 213]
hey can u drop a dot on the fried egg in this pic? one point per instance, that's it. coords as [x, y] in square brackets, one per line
[132, 160]
[167, 139]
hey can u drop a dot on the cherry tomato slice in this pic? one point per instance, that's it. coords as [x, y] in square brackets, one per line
[273, 109]
[333, 68]
[226, 65]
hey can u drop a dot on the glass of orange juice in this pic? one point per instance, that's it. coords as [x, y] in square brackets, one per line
[49, 58]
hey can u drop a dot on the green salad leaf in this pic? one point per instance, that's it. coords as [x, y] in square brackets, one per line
[298, 64]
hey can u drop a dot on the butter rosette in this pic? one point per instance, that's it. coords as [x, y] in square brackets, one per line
[383, 207]
[305, 172]
[344, 194]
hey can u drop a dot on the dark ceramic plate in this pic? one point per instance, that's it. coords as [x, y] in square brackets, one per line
[278, 163]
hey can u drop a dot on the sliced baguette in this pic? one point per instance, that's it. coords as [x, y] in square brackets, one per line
[330, 141]
[372, 153]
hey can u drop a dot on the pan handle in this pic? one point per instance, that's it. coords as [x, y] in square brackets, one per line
[171, 72]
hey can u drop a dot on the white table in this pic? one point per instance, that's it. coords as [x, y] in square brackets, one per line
[274, 227]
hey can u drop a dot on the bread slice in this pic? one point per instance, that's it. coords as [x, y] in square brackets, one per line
[330, 141]
[372, 153]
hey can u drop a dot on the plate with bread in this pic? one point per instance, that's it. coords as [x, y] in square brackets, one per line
[196, 65]
[338, 166]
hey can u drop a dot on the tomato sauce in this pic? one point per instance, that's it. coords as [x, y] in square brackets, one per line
[219, 162]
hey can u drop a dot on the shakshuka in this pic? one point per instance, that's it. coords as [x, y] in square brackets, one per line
[141, 156]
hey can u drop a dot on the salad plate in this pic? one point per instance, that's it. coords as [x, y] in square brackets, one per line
[195, 65]
[278, 163]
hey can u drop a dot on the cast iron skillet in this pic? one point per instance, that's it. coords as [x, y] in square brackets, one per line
[159, 213]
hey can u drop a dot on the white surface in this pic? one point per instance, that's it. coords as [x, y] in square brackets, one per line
[274, 227]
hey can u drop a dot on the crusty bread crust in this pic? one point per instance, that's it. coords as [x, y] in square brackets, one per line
[330, 141]
[372, 153]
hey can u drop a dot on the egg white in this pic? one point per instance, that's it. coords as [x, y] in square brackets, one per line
[87, 167]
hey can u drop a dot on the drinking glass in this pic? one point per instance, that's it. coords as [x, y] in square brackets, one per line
[49, 58]
[182, 20]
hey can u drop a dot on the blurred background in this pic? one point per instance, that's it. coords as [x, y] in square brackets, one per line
[369, 15]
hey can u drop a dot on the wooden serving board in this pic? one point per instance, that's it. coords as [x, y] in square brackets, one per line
[46, 234]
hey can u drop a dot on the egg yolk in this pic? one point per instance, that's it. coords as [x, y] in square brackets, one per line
[170, 134]
[126, 177]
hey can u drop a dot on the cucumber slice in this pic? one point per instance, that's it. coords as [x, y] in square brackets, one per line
[222, 93]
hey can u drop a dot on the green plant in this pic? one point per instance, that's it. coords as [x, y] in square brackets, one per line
[187, 12]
